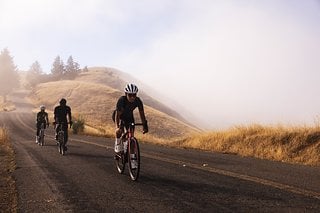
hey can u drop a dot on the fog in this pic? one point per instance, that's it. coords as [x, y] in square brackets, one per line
[240, 64]
[224, 62]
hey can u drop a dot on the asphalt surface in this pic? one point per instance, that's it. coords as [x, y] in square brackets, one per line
[171, 180]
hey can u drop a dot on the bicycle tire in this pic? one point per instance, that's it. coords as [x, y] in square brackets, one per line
[134, 154]
[120, 162]
[41, 139]
[61, 142]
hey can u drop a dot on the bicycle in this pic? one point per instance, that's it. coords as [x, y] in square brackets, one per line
[61, 139]
[41, 135]
[132, 153]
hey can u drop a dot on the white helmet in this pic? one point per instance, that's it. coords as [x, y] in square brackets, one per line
[131, 89]
[42, 107]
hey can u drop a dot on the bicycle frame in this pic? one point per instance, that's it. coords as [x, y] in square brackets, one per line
[131, 156]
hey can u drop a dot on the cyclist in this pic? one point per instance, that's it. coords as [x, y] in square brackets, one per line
[42, 118]
[61, 113]
[124, 113]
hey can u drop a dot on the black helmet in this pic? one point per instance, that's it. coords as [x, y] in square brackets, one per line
[63, 101]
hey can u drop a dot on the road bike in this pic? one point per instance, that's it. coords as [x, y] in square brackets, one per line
[41, 135]
[131, 153]
[61, 138]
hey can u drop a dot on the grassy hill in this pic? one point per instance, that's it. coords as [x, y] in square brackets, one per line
[91, 98]
[117, 79]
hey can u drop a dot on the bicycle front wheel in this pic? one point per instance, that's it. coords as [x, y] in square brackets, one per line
[120, 162]
[134, 159]
[41, 139]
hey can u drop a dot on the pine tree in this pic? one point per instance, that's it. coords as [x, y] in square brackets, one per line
[9, 78]
[58, 68]
[70, 65]
[34, 74]
[72, 68]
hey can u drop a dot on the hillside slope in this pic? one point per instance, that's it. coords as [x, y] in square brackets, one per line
[95, 103]
[117, 79]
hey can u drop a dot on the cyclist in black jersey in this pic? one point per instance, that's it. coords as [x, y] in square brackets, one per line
[124, 113]
[61, 115]
[42, 117]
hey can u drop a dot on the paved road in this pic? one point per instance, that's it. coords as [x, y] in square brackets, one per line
[171, 180]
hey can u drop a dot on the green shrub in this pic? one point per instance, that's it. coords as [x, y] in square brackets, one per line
[78, 125]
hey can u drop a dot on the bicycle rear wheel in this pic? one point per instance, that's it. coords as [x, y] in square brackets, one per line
[61, 142]
[134, 159]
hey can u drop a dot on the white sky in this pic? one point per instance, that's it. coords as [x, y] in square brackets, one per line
[227, 62]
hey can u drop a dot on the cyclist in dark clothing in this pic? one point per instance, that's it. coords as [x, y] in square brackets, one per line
[124, 113]
[61, 113]
[42, 118]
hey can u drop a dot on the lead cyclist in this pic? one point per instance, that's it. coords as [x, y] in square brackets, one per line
[124, 114]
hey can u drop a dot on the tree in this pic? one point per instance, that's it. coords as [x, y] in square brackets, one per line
[58, 68]
[72, 68]
[9, 78]
[34, 74]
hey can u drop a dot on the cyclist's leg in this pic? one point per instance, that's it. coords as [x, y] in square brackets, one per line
[118, 147]
[37, 133]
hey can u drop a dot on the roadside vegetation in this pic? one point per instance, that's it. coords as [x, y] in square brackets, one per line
[6, 105]
[296, 144]
[8, 194]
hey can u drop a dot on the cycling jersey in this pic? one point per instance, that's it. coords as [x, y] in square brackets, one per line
[41, 117]
[126, 107]
[60, 114]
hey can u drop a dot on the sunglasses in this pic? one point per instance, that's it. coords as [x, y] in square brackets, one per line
[132, 95]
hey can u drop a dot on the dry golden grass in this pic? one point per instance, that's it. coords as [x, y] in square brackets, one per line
[299, 144]
[95, 103]
[6, 106]
[8, 194]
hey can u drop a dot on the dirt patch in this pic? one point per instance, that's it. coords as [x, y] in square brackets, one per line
[8, 192]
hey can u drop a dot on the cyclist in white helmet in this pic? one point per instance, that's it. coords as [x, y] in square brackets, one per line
[124, 113]
[42, 117]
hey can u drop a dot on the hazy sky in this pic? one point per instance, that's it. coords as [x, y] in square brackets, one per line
[227, 62]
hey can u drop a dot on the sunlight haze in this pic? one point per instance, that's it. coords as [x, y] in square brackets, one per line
[224, 62]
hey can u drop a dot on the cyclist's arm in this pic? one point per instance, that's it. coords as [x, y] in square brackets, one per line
[47, 119]
[55, 115]
[143, 118]
[69, 115]
[141, 111]
[117, 118]
[37, 119]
